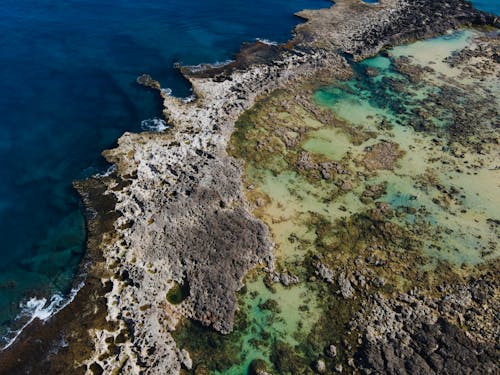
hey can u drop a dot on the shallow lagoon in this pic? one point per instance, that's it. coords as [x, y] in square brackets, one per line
[442, 204]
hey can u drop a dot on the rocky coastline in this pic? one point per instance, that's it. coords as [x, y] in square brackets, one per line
[173, 217]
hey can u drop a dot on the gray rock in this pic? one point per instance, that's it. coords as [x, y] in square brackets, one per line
[324, 272]
[320, 366]
[331, 351]
[346, 288]
[185, 359]
[288, 279]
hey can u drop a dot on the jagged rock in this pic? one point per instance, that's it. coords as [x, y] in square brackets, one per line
[182, 214]
[258, 367]
[288, 279]
[382, 156]
[325, 174]
[185, 359]
[324, 272]
[305, 162]
[346, 289]
[404, 336]
[148, 81]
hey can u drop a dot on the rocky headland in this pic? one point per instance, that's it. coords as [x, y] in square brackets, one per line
[172, 233]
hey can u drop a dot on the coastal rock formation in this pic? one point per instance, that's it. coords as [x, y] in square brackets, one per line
[382, 156]
[413, 334]
[380, 249]
[182, 218]
[202, 236]
[391, 22]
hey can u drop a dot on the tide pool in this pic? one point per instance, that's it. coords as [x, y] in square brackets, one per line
[67, 73]
[379, 175]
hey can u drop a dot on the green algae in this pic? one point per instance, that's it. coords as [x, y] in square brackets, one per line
[457, 206]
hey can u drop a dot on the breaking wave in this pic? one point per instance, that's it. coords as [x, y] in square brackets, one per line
[111, 169]
[189, 99]
[267, 41]
[201, 67]
[154, 125]
[38, 308]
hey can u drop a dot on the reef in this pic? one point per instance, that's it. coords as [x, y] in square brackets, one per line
[184, 225]
[361, 200]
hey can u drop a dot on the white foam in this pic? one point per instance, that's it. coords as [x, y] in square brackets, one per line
[154, 125]
[217, 64]
[189, 99]
[111, 169]
[41, 308]
[166, 91]
[267, 41]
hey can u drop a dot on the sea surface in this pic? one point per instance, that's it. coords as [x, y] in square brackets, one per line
[492, 6]
[68, 91]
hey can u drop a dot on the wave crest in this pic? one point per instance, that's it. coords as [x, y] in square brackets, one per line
[39, 308]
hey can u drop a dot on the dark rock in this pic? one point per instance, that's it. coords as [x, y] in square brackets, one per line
[435, 348]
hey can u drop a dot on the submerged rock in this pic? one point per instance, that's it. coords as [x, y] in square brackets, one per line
[148, 81]
[258, 367]
[382, 156]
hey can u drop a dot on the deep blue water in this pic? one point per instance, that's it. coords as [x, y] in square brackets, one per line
[67, 91]
[492, 6]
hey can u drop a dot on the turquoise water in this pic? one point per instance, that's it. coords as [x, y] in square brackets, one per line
[67, 73]
[310, 217]
[456, 229]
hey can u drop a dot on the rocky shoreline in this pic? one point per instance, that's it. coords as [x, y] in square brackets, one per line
[174, 216]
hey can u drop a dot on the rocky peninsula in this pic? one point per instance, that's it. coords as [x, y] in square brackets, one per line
[174, 229]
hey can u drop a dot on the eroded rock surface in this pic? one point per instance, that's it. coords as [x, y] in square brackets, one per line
[414, 335]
